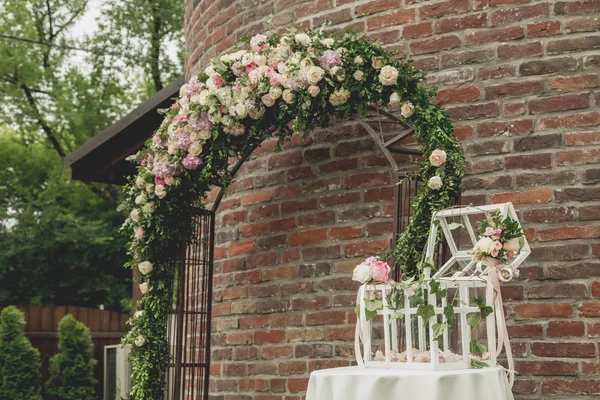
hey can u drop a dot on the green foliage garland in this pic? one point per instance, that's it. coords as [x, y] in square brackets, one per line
[19, 360]
[277, 86]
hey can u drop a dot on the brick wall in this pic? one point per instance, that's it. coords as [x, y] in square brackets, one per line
[521, 80]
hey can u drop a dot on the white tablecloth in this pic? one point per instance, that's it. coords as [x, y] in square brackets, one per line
[354, 383]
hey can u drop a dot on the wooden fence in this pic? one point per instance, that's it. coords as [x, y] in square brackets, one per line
[107, 327]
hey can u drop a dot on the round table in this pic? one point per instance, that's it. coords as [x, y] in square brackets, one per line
[355, 383]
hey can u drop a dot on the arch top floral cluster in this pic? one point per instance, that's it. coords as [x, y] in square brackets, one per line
[275, 86]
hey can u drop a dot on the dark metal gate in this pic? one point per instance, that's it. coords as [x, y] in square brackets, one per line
[189, 324]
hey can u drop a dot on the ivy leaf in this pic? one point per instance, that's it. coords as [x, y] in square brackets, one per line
[373, 305]
[483, 308]
[395, 316]
[478, 364]
[453, 225]
[477, 348]
[449, 314]
[426, 311]
[416, 300]
[438, 330]
[473, 319]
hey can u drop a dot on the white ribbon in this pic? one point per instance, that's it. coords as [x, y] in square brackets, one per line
[362, 332]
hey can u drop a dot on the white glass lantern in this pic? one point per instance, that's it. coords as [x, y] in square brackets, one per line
[391, 332]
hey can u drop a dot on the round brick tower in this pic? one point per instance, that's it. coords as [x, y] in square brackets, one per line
[521, 81]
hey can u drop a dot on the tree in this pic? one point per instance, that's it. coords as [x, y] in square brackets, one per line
[57, 91]
[19, 361]
[72, 370]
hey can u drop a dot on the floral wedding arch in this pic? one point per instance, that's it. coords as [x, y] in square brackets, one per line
[277, 85]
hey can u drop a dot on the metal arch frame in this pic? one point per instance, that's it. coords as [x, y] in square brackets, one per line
[388, 148]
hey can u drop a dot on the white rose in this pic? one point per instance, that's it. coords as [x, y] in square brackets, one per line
[145, 267]
[303, 39]
[275, 92]
[195, 98]
[183, 90]
[358, 60]
[203, 97]
[195, 149]
[358, 75]
[268, 100]
[394, 99]
[313, 90]
[140, 199]
[327, 42]
[435, 182]
[247, 58]
[149, 187]
[254, 75]
[160, 191]
[184, 101]
[172, 148]
[314, 74]
[260, 60]
[134, 215]
[140, 182]
[203, 135]
[288, 96]
[407, 110]
[362, 273]
[388, 75]
[240, 110]
[484, 245]
[210, 71]
[140, 341]
[151, 206]
[138, 314]
[144, 287]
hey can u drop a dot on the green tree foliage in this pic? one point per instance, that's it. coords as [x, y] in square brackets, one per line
[72, 370]
[19, 361]
[62, 239]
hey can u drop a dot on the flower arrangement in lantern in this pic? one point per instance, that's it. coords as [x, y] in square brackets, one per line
[450, 319]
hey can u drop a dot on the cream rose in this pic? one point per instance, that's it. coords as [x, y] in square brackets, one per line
[140, 199]
[145, 267]
[407, 110]
[358, 60]
[267, 100]
[313, 90]
[437, 157]
[435, 183]
[288, 96]
[149, 187]
[169, 180]
[394, 99]
[388, 75]
[140, 341]
[160, 191]
[144, 287]
[260, 60]
[377, 62]
[195, 149]
[240, 110]
[358, 75]
[275, 92]
[140, 182]
[134, 215]
[339, 97]
[314, 74]
[303, 39]
[327, 42]
[151, 206]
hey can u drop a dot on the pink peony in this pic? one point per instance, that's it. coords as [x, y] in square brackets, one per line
[218, 81]
[183, 140]
[158, 180]
[200, 124]
[181, 118]
[191, 162]
[380, 271]
[249, 68]
[194, 86]
[157, 140]
[330, 58]
[510, 255]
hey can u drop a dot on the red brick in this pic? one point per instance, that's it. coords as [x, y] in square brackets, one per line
[495, 35]
[312, 303]
[264, 211]
[417, 30]
[569, 45]
[258, 385]
[345, 334]
[542, 310]
[444, 8]
[577, 349]
[322, 185]
[529, 161]
[475, 111]
[235, 218]
[576, 7]
[339, 165]
[569, 232]
[239, 338]
[308, 237]
[585, 24]
[496, 72]
[563, 83]
[512, 51]
[366, 179]
[325, 318]
[278, 273]
[458, 24]
[282, 225]
[594, 329]
[392, 19]
[546, 367]
[291, 207]
[459, 95]
[550, 66]
[241, 247]
[467, 57]
[590, 309]
[525, 331]
[553, 214]
[300, 173]
[565, 329]
[258, 321]
[344, 233]
[571, 386]
[234, 369]
[497, 128]
[316, 219]
[256, 197]
[543, 28]
[435, 44]
[514, 89]
[254, 230]
[582, 138]
[375, 6]
[292, 368]
[578, 157]
[273, 336]
[313, 7]
[297, 385]
[520, 13]
[370, 247]
[526, 197]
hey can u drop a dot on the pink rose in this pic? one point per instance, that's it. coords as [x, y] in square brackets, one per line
[497, 245]
[498, 231]
[158, 180]
[437, 158]
[495, 237]
[380, 271]
[494, 253]
[249, 68]
[489, 230]
[138, 232]
[510, 255]
[134, 215]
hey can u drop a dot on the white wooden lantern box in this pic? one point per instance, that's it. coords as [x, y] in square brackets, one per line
[401, 341]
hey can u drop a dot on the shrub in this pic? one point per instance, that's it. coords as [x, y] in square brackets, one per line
[72, 370]
[19, 360]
